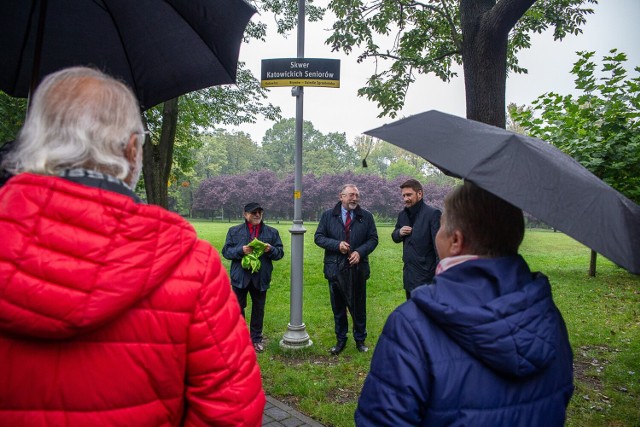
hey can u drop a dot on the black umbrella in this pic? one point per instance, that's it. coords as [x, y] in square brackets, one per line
[530, 174]
[161, 48]
[346, 281]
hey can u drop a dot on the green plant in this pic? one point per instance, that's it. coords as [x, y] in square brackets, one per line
[252, 260]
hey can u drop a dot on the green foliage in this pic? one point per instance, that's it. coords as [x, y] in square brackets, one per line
[403, 168]
[212, 157]
[322, 154]
[201, 110]
[197, 112]
[564, 16]
[213, 154]
[390, 161]
[408, 38]
[13, 112]
[599, 127]
[601, 314]
[218, 105]
[279, 142]
[252, 261]
[285, 12]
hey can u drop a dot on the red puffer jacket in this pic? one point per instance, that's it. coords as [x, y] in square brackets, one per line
[114, 313]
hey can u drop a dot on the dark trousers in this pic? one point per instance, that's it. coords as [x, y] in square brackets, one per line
[258, 300]
[358, 311]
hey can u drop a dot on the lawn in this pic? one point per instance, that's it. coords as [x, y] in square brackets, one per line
[602, 316]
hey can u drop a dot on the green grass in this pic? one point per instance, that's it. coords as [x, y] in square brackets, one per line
[602, 316]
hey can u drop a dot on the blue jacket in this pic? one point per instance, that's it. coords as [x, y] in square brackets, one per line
[237, 237]
[418, 248]
[330, 232]
[484, 345]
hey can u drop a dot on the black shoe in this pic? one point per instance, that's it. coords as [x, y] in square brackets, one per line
[337, 349]
[362, 348]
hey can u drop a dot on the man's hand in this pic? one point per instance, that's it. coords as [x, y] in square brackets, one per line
[405, 231]
[246, 249]
[354, 258]
[344, 248]
[267, 247]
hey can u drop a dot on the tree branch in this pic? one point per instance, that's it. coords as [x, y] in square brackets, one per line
[401, 59]
[506, 13]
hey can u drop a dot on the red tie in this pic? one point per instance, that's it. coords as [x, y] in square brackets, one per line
[347, 225]
[254, 230]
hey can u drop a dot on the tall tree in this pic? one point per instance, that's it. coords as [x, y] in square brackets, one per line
[432, 36]
[391, 161]
[278, 144]
[329, 154]
[210, 158]
[401, 167]
[600, 127]
[322, 154]
[223, 105]
[241, 152]
[175, 124]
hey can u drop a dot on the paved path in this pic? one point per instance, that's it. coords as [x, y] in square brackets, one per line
[277, 414]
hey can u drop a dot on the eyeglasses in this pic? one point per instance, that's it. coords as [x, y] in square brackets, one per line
[351, 195]
[142, 135]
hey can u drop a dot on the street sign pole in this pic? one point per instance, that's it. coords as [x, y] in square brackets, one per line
[296, 336]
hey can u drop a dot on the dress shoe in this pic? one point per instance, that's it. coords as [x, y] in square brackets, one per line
[337, 349]
[258, 347]
[362, 348]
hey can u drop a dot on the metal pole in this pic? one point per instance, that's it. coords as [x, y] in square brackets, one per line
[296, 336]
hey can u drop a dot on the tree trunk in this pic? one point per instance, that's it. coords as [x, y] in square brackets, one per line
[592, 263]
[484, 58]
[158, 157]
[485, 30]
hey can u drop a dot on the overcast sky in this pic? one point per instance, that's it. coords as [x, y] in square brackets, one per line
[613, 25]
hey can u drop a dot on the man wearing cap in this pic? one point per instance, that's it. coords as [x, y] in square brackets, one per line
[254, 279]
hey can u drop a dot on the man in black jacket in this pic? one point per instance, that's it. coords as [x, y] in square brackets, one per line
[417, 226]
[348, 234]
[247, 280]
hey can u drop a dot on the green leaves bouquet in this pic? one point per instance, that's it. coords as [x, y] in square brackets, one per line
[252, 261]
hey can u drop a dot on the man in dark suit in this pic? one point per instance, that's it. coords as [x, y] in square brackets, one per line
[348, 234]
[417, 226]
[253, 280]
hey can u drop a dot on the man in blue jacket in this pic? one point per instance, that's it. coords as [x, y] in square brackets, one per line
[416, 228]
[247, 280]
[348, 234]
[484, 345]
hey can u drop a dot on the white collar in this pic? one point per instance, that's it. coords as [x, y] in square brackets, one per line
[451, 261]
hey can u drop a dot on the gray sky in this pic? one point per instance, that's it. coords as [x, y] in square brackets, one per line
[613, 25]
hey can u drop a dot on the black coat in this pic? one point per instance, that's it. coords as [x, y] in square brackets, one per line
[330, 232]
[418, 248]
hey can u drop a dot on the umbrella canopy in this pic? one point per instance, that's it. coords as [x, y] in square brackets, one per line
[160, 48]
[528, 173]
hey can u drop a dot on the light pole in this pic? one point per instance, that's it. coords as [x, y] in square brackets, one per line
[296, 336]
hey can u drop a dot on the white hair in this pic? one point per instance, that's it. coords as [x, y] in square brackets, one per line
[79, 118]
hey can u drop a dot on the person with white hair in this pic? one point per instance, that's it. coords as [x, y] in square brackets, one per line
[112, 312]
